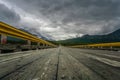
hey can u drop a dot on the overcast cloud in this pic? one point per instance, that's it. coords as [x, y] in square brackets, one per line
[62, 19]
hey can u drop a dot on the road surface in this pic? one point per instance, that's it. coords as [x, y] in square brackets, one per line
[67, 64]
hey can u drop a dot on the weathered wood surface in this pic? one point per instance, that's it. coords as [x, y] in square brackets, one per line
[64, 64]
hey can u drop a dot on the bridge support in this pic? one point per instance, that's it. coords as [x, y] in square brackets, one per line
[29, 42]
[38, 45]
[3, 39]
[111, 48]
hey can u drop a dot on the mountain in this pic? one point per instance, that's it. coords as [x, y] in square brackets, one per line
[90, 39]
[35, 33]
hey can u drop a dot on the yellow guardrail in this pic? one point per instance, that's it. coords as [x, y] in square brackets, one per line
[114, 44]
[12, 31]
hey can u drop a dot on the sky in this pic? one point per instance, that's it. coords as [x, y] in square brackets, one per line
[62, 19]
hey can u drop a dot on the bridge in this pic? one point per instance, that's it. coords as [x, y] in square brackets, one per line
[27, 57]
[21, 36]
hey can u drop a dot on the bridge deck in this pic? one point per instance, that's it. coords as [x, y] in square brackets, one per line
[63, 64]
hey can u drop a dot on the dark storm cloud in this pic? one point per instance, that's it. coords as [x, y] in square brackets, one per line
[75, 16]
[72, 10]
[8, 15]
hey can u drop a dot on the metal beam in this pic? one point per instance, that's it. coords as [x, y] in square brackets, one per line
[9, 30]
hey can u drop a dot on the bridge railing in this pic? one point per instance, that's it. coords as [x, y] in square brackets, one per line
[7, 30]
[104, 46]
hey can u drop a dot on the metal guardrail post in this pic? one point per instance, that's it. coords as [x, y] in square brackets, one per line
[29, 42]
[3, 39]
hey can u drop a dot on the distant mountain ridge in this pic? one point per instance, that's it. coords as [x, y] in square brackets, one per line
[35, 34]
[90, 39]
